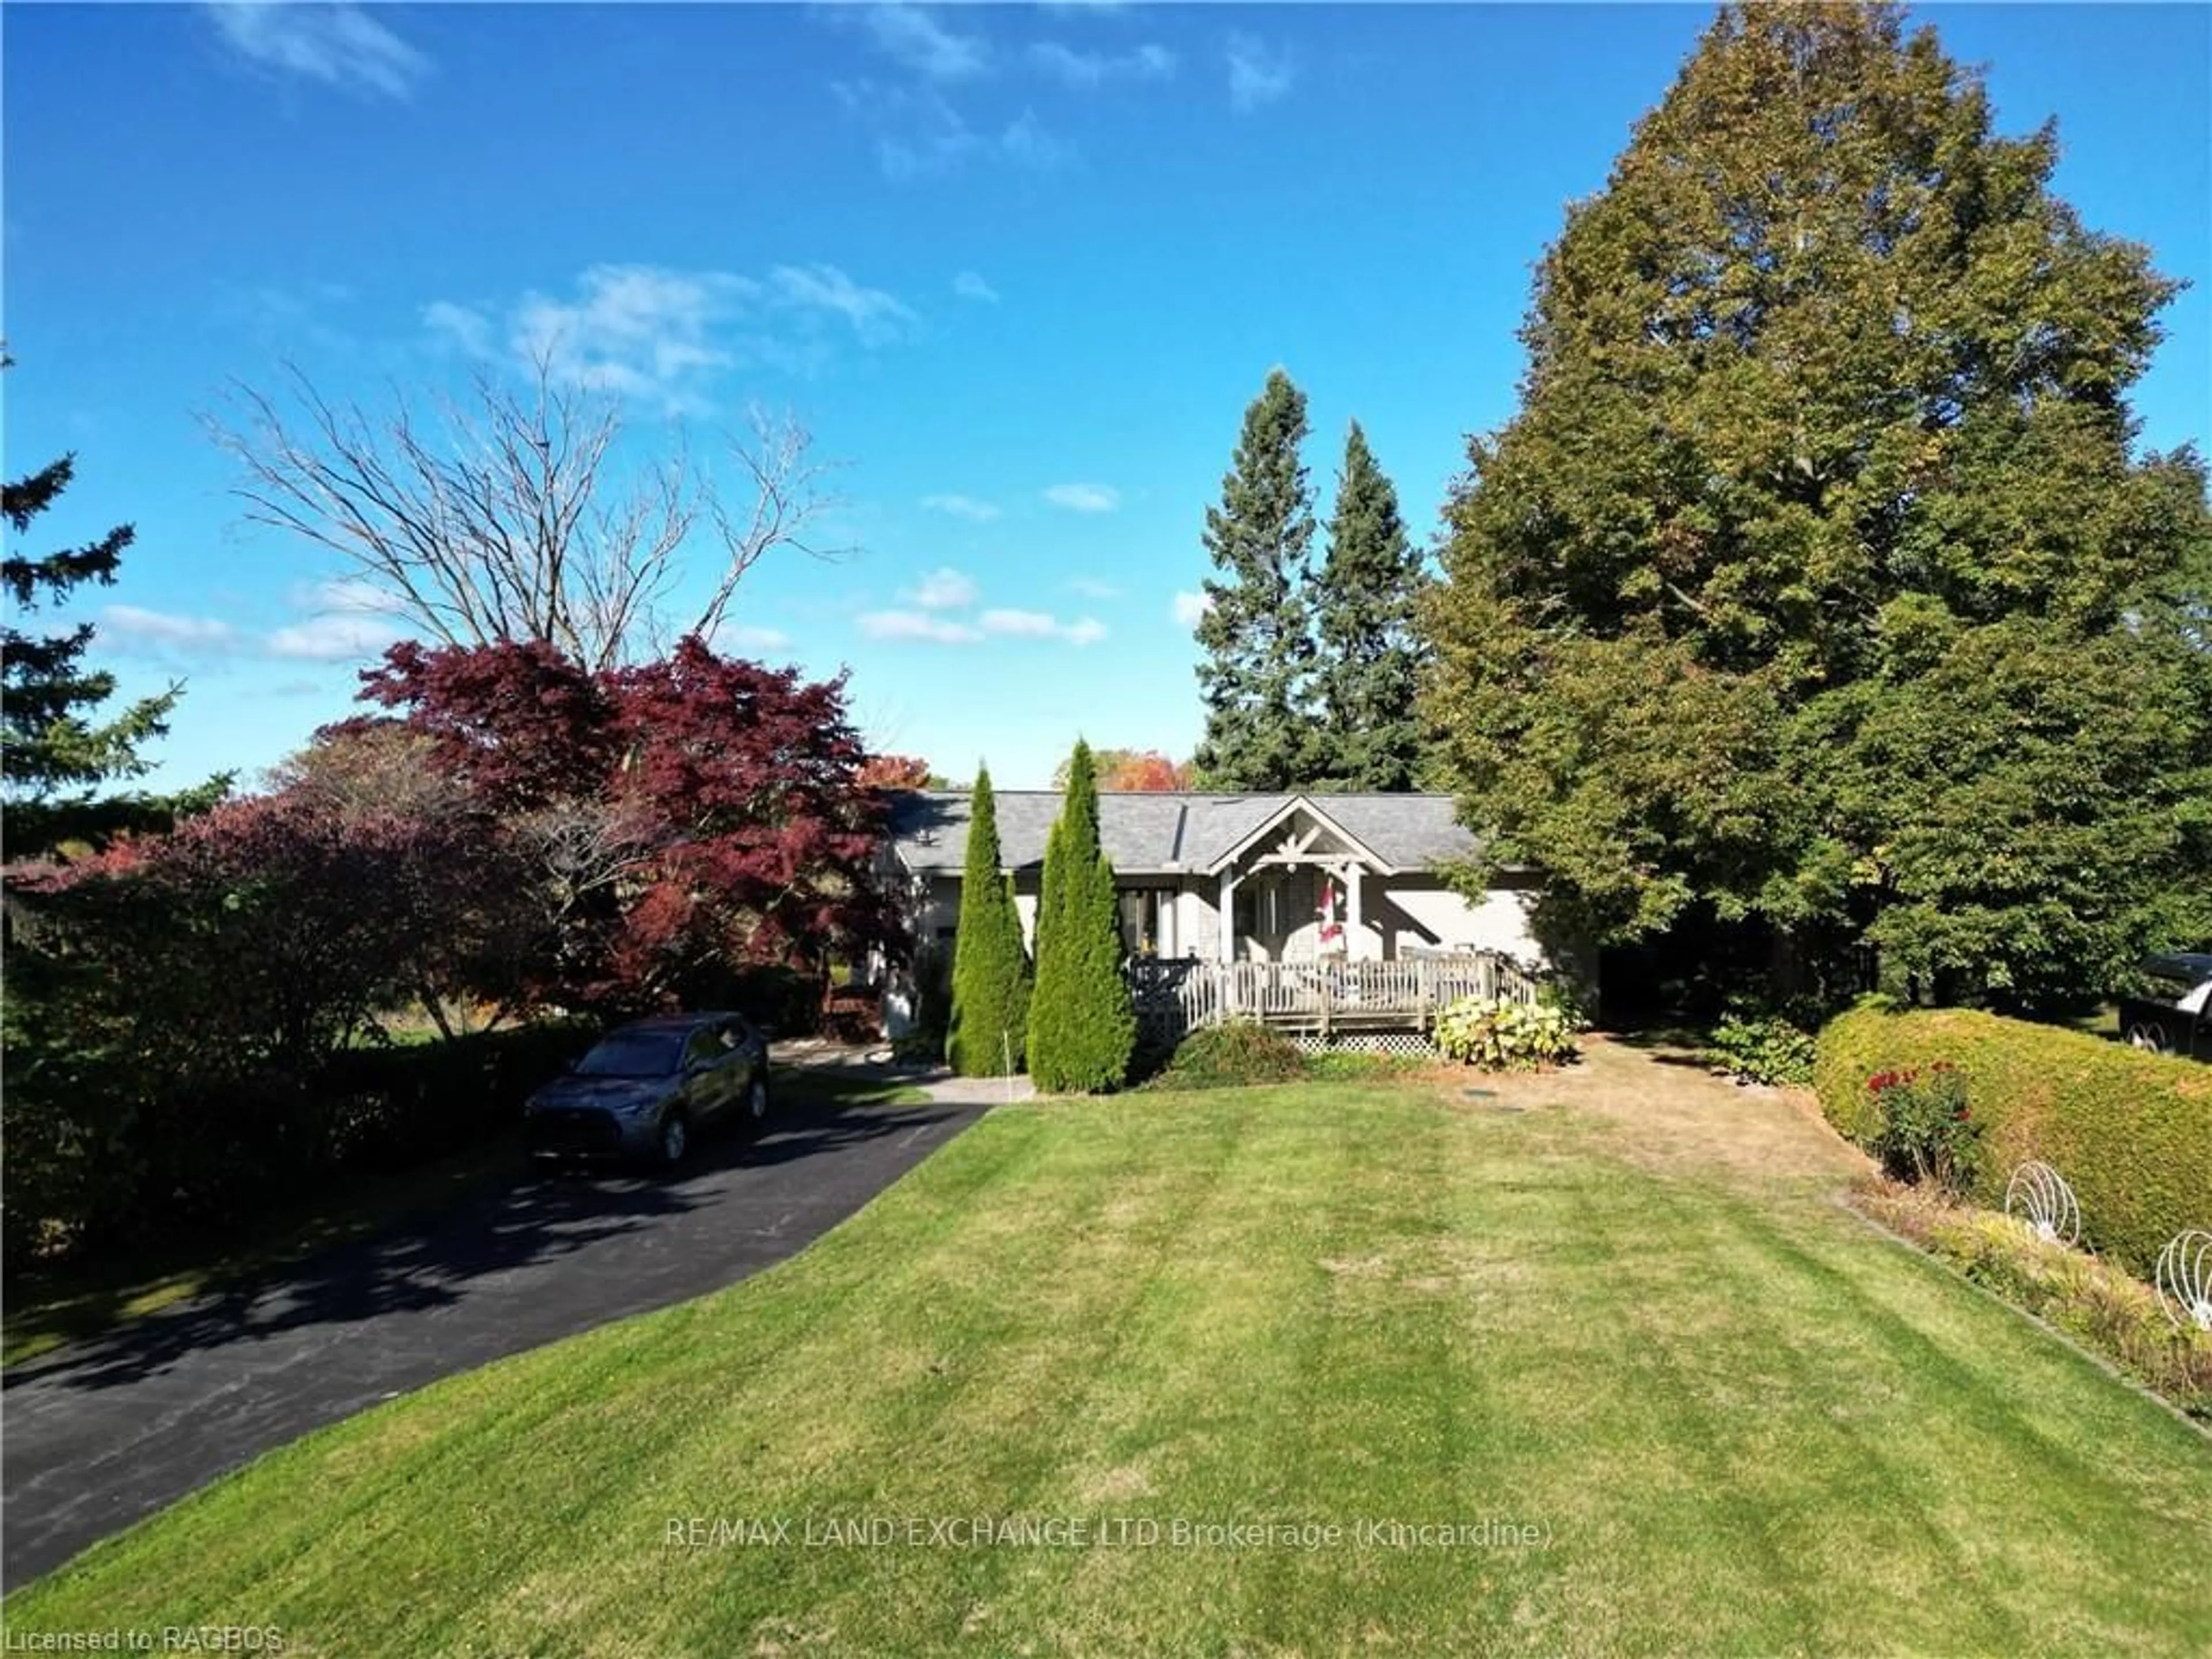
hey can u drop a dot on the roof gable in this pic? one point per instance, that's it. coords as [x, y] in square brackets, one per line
[1292, 806]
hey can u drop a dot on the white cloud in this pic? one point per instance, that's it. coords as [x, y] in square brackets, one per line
[968, 286]
[918, 133]
[340, 45]
[1040, 625]
[744, 636]
[945, 589]
[1077, 67]
[166, 630]
[914, 38]
[1258, 73]
[916, 625]
[347, 618]
[352, 595]
[343, 619]
[1026, 141]
[656, 333]
[962, 507]
[637, 330]
[1084, 497]
[877, 318]
[1091, 588]
[1190, 608]
[339, 637]
[468, 328]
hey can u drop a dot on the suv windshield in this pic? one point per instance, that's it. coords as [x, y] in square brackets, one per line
[637, 1053]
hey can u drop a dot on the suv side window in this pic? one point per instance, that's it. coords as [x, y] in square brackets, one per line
[705, 1046]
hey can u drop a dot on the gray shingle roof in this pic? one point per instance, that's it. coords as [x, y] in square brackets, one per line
[1161, 833]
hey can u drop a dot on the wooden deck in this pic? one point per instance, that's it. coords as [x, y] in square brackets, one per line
[1322, 998]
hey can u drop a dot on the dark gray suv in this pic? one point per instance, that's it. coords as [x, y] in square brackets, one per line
[646, 1090]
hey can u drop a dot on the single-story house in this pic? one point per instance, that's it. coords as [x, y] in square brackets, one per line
[1232, 877]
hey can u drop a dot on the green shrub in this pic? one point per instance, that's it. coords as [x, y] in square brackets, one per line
[987, 1029]
[1503, 1036]
[1083, 1028]
[1762, 1048]
[1561, 993]
[1929, 1132]
[2129, 1131]
[1235, 1055]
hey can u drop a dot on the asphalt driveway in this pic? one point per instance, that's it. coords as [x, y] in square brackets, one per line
[100, 1433]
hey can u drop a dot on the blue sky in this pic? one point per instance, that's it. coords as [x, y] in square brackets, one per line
[1022, 269]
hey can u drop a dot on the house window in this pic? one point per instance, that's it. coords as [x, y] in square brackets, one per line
[1141, 916]
[1258, 909]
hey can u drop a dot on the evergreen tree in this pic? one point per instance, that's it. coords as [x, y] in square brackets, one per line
[54, 754]
[1083, 1030]
[990, 970]
[1364, 603]
[1260, 732]
[1813, 589]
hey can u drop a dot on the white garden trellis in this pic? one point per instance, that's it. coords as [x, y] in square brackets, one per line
[2039, 1195]
[2183, 1280]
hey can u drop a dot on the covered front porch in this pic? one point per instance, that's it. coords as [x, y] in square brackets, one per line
[1310, 935]
[1298, 888]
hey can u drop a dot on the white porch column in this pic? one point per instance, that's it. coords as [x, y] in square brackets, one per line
[1225, 931]
[1355, 935]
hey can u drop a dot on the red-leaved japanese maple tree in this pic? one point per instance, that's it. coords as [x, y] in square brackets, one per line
[684, 818]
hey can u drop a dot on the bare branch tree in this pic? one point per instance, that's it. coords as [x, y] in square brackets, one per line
[507, 519]
[786, 488]
[586, 847]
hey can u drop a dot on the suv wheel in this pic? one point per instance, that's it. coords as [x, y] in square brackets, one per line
[675, 1137]
[2150, 1037]
[756, 1100]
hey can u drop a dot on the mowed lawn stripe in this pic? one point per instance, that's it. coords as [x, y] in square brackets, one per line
[2001, 1413]
[1036, 1294]
[1748, 1423]
[1828, 1505]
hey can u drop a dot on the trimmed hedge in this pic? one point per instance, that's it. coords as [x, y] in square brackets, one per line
[2132, 1133]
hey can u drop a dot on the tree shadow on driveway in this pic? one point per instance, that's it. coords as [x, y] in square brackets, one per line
[119, 1424]
[507, 1232]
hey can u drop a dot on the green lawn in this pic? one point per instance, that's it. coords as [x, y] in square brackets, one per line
[1628, 1317]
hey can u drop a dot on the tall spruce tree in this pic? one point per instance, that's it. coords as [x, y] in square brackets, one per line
[990, 970]
[55, 752]
[1813, 592]
[1083, 1028]
[1365, 600]
[1254, 679]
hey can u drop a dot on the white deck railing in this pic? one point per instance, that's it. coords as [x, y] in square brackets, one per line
[1176, 996]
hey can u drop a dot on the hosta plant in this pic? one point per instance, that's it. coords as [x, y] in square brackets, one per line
[1500, 1035]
